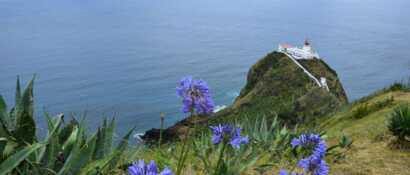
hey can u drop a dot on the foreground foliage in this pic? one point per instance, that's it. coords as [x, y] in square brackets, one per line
[66, 149]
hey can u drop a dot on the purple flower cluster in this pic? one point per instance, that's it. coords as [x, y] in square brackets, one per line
[232, 135]
[195, 96]
[313, 164]
[140, 168]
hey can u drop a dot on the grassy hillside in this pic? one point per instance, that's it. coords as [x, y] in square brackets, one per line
[374, 150]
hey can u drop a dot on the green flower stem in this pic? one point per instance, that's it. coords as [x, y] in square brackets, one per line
[183, 155]
[221, 155]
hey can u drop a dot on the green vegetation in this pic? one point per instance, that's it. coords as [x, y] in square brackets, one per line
[276, 87]
[365, 109]
[359, 142]
[268, 145]
[373, 150]
[399, 123]
[67, 149]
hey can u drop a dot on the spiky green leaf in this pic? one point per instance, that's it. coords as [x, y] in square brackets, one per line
[105, 136]
[67, 131]
[49, 154]
[79, 157]
[13, 161]
[25, 124]
[18, 91]
[122, 146]
[4, 116]
[3, 106]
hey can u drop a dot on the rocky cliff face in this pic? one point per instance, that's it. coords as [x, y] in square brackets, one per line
[276, 87]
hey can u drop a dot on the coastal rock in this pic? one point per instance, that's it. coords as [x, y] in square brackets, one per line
[276, 87]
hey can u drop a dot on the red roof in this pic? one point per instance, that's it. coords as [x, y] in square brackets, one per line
[286, 45]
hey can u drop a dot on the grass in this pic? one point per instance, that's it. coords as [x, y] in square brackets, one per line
[371, 151]
[365, 109]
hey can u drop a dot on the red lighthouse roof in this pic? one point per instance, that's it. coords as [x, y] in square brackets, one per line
[286, 45]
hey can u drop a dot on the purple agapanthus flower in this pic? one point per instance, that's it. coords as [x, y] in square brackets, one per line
[195, 96]
[140, 168]
[237, 139]
[231, 134]
[313, 164]
[311, 141]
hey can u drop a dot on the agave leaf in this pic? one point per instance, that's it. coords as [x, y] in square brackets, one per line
[79, 157]
[95, 166]
[68, 129]
[10, 148]
[53, 123]
[18, 91]
[27, 98]
[3, 106]
[12, 162]
[70, 142]
[99, 149]
[122, 146]
[4, 132]
[5, 119]
[3, 143]
[26, 129]
[109, 134]
[48, 155]
[104, 140]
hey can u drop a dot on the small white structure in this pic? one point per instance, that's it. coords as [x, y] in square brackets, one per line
[306, 52]
[324, 83]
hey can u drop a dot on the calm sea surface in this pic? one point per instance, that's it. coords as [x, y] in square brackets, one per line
[106, 57]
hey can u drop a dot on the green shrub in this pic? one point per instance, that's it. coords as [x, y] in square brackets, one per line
[399, 87]
[399, 123]
[365, 109]
[66, 149]
[361, 111]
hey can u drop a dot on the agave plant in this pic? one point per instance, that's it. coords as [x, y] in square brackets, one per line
[399, 123]
[17, 126]
[268, 135]
[66, 149]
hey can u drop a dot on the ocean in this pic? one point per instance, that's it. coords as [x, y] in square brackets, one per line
[105, 58]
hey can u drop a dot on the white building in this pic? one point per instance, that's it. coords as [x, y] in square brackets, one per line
[306, 52]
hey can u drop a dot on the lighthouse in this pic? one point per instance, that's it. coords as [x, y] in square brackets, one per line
[306, 52]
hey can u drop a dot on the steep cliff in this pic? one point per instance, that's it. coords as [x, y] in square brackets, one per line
[276, 87]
